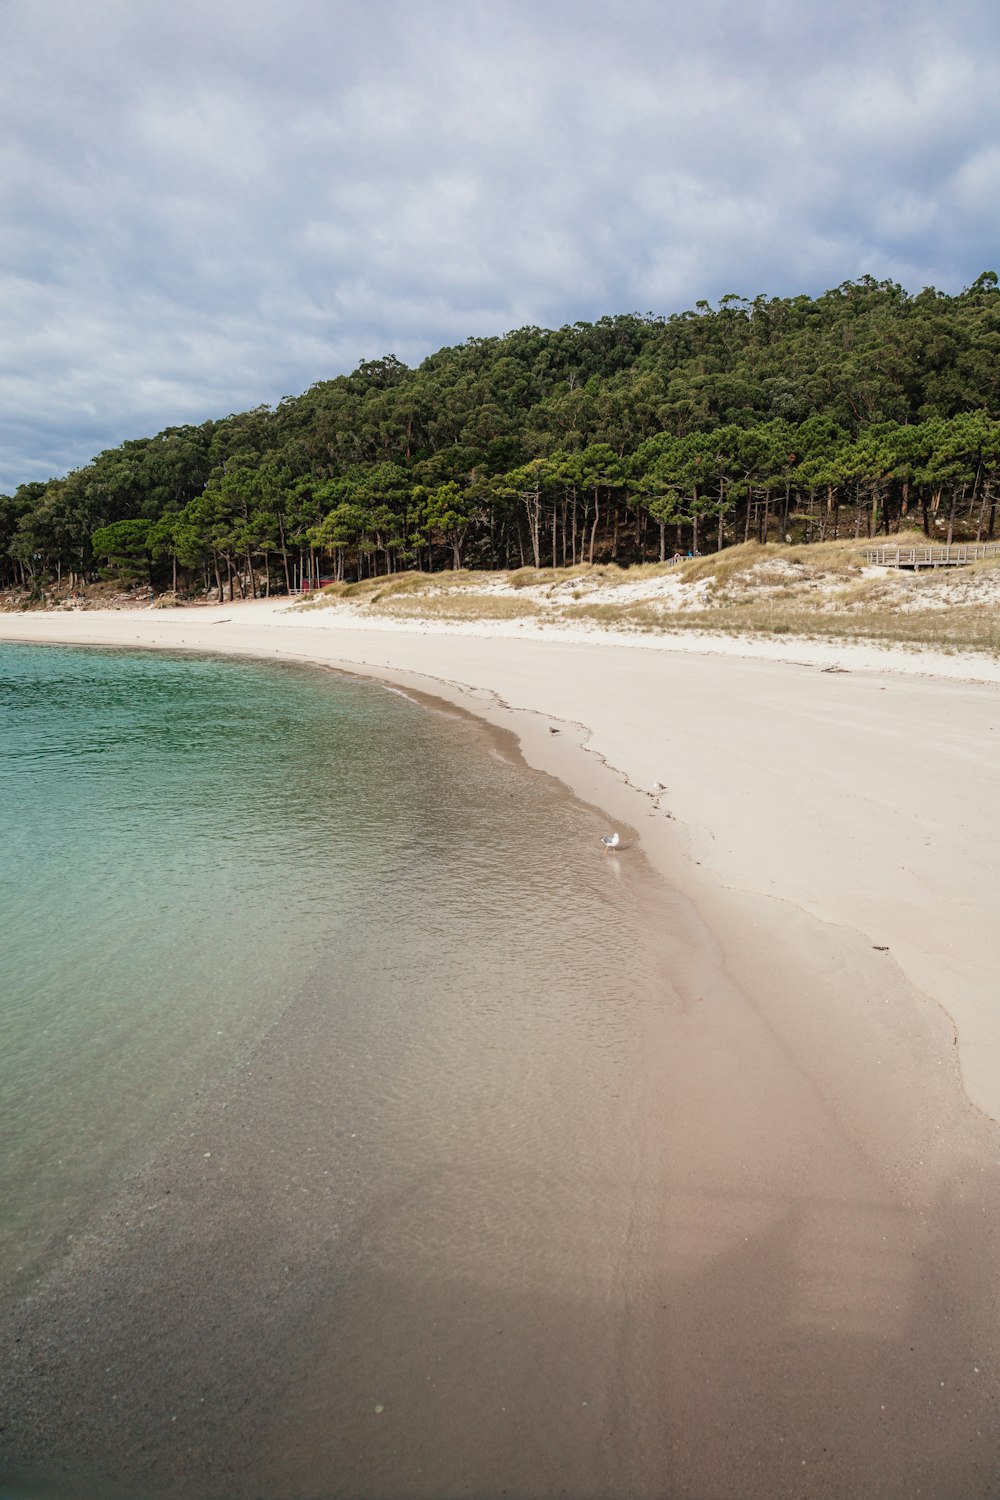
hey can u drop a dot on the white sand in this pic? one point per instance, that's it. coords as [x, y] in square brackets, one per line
[866, 795]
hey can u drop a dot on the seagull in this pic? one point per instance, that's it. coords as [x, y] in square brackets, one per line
[659, 786]
[611, 840]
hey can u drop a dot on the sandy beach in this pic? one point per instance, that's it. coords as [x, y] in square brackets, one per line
[857, 784]
[812, 1295]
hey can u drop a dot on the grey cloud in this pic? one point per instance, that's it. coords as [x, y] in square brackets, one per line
[207, 206]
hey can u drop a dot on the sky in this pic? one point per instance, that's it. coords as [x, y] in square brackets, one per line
[206, 205]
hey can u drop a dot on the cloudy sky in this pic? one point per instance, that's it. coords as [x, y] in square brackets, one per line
[209, 204]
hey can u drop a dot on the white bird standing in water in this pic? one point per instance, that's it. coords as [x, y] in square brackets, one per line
[611, 841]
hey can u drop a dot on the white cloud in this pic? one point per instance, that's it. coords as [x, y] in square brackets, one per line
[209, 205]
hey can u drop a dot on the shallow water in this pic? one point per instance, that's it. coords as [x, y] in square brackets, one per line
[350, 999]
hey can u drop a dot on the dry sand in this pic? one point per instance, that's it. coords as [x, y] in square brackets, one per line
[812, 1291]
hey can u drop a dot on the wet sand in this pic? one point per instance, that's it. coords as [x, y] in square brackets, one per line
[773, 1271]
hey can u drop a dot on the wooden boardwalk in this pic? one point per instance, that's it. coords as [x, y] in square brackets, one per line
[959, 555]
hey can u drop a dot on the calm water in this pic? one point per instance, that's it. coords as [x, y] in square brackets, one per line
[188, 845]
[404, 966]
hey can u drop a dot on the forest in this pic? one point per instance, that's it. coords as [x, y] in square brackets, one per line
[629, 439]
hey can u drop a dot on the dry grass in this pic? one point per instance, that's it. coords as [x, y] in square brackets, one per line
[863, 594]
[458, 606]
[721, 568]
[964, 629]
[961, 629]
[649, 570]
[820, 592]
[539, 578]
[632, 616]
[603, 573]
[371, 590]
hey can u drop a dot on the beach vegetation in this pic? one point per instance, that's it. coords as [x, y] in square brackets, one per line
[460, 606]
[825, 592]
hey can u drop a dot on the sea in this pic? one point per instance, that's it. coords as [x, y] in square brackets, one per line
[406, 967]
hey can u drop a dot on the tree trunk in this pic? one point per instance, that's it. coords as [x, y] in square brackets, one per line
[284, 553]
[975, 491]
[532, 508]
[519, 526]
[593, 529]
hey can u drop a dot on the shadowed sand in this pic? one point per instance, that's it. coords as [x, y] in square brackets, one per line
[786, 1287]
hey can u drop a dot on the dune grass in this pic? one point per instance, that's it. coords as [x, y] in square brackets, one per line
[819, 592]
[602, 573]
[458, 606]
[841, 558]
[389, 586]
[966, 628]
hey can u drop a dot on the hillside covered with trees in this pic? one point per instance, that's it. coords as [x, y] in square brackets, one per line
[800, 418]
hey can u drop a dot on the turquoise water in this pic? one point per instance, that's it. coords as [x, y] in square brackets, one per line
[188, 845]
[169, 872]
[321, 1044]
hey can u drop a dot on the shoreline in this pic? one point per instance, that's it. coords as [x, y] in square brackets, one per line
[848, 812]
[807, 1306]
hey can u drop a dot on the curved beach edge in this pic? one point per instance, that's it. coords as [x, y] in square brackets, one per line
[852, 783]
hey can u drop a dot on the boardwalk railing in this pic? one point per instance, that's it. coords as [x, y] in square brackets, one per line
[958, 555]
